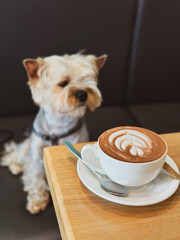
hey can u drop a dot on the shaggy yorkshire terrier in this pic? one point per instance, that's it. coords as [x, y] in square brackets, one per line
[64, 87]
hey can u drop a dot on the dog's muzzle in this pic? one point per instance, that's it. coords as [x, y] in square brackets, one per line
[81, 96]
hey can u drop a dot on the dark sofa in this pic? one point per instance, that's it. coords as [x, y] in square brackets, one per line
[140, 82]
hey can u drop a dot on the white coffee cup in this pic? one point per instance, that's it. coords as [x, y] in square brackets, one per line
[126, 173]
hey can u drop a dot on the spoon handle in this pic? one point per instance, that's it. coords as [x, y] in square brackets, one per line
[97, 174]
[72, 149]
[171, 171]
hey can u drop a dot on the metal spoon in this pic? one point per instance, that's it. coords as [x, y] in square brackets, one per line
[106, 183]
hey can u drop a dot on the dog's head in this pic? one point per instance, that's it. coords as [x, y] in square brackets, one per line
[65, 84]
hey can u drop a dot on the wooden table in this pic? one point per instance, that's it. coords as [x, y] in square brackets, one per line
[83, 215]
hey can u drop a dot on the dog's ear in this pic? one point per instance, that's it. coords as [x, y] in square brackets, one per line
[100, 61]
[32, 66]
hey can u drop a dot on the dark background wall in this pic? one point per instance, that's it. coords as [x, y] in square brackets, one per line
[154, 70]
[141, 38]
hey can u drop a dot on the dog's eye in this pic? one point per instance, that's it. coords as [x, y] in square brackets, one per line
[63, 84]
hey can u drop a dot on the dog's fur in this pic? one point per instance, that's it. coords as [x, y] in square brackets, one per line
[54, 82]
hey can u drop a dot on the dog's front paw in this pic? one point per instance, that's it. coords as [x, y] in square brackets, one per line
[37, 203]
[9, 155]
[4, 162]
[15, 168]
[9, 161]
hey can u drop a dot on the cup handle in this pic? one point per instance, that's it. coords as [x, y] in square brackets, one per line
[89, 154]
[91, 147]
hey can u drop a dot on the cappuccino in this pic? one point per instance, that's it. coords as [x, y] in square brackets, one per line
[132, 144]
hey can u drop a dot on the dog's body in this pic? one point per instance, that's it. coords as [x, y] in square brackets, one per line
[64, 88]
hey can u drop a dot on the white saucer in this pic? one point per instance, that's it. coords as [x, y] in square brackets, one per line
[158, 190]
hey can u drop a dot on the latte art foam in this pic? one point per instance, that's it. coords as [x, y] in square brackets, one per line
[133, 141]
[132, 144]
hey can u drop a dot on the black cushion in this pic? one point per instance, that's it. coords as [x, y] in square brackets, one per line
[17, 124]
[161, 118]
[105, 118]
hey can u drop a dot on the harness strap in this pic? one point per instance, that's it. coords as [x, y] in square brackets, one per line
[54, 138]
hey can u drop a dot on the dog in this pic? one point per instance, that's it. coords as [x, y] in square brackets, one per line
[64, 88]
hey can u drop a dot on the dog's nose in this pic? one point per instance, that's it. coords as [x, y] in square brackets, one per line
[81, 95]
